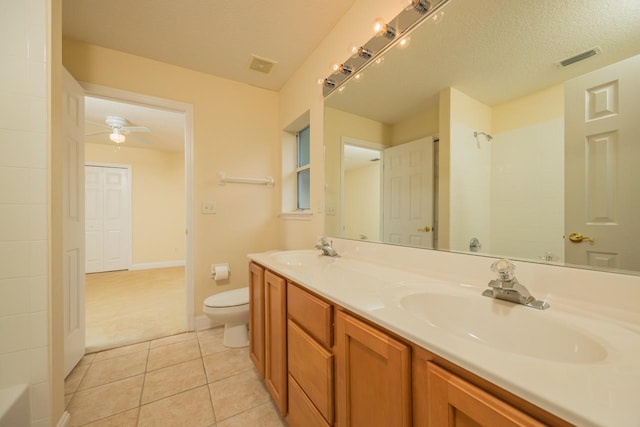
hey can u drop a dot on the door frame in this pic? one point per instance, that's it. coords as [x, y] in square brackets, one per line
[106, 92]
[129, 215]
[347, 140]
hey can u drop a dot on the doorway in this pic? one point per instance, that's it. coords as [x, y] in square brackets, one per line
[361, 189]
[159, 265]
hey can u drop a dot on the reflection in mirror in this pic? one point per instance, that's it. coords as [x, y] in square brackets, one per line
[530, 110]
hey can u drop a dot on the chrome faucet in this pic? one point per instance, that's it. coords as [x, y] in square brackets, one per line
[326, 247]
[506, 287]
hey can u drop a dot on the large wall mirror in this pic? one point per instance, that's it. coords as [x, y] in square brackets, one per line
[504, 128]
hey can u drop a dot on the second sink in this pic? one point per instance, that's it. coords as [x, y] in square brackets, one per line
[505, 326]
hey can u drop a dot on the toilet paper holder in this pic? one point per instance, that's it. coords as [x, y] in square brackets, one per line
[220, 271]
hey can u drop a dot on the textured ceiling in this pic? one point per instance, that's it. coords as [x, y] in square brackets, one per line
[493, 51]
[214, 36]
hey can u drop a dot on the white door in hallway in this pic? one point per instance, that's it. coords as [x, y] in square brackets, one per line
[73, 220]
[602, 179]
[408, 193]
[108, 218]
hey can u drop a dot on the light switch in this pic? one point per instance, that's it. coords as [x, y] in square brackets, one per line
[208, 208]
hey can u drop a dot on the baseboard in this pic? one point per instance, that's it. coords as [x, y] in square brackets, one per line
[204, 322]
[161, 264]
[65, 420]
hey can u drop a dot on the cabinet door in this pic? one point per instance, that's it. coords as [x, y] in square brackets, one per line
[275, 375]
[454, 402]
[373, 376]
[256, 316]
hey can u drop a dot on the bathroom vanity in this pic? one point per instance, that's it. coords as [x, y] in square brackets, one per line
[344, 341]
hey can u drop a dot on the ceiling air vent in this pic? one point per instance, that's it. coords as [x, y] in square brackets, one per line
[579, 57]
[260, 64]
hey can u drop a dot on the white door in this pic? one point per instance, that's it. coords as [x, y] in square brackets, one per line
[108, 218]
[73, 220]
[602, 135]
[408, 194]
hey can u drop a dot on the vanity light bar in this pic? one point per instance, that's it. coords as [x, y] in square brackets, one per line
[386, 37]
[421, 6]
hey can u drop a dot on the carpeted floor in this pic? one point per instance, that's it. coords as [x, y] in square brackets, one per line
[126, 307]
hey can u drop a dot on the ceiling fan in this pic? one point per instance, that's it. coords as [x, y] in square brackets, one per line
[118, 129]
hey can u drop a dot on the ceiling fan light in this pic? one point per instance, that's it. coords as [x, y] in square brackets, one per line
[117, 137]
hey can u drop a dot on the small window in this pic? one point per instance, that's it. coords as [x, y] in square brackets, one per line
[303, 169]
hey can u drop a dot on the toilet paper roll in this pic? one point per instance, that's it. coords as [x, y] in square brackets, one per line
[221, 272]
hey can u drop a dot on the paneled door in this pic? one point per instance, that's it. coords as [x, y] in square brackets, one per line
[408, 194]
[73, 220]
[108, 218]
[602, 178]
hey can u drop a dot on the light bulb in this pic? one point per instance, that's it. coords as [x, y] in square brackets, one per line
[404, 42]
[381, 28]
[378, 26]
[117, 137]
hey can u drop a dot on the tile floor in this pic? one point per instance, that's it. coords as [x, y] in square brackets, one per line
[189, 379]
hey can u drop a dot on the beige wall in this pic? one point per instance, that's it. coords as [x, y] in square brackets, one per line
[235, 131]
[419, 125]
[362, 201]
[157, 199]
[336, 125]
[538, 107]
[302, 93]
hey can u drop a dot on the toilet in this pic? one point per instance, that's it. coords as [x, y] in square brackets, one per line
[232, 309]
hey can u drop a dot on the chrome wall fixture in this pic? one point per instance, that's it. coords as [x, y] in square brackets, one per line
[386, 35]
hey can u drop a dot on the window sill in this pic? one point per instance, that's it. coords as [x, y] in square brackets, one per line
[296, 216]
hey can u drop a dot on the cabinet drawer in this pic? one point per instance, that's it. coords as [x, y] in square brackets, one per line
[302, 413]
[311, 313]
[312, 368]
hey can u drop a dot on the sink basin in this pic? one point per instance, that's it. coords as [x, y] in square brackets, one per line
[302, 258]
[505, 326]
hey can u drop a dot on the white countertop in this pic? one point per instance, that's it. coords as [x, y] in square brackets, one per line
[604, 392]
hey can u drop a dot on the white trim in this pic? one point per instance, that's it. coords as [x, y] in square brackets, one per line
[296, 216]
[187, 110]
[65, 420]
[204, 322]
[161, 264]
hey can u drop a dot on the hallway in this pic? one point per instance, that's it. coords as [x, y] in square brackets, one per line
[126, 307]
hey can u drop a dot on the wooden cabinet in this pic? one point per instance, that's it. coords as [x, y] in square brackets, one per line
[373, 376]
[351, 373]
[275, 315]
[455, 402]
[256, 316]
[310, 360]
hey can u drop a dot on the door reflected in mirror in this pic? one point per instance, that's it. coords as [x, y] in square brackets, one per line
[527, 151]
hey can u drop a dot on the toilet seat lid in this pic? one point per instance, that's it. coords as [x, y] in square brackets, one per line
[231, 298]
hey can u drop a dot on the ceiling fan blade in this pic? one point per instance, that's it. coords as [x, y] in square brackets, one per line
[136, 129]
[140, 138]
[96, 123]
[97, 132]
